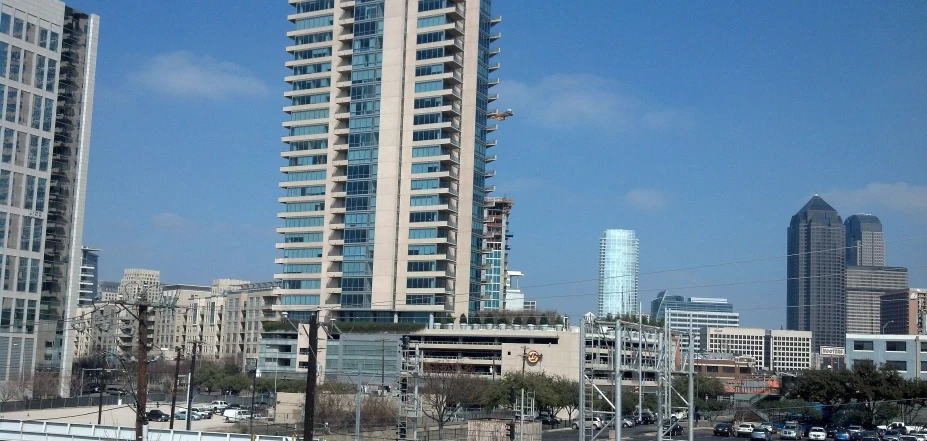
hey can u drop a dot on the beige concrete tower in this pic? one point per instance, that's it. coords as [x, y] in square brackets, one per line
[385, 159]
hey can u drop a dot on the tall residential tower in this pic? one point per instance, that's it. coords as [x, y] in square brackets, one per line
[47, 68]
[816, 271]
[385, 160]
[618, 260]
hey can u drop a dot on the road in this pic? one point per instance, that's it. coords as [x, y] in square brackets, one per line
[638, 433]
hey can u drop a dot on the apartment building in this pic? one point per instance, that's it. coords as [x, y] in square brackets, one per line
[89, 276]
[775, 350]
[495, 269]
[385, 164]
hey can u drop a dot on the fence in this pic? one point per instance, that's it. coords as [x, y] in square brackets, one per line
[109, 400]
[17, 430]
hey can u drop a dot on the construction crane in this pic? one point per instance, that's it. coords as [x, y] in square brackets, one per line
[500, 115]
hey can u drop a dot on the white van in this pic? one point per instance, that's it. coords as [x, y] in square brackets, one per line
[232, 415]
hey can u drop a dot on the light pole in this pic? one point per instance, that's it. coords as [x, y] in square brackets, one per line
[886, 324]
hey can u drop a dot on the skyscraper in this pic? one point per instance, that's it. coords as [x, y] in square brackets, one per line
[865, 243]
[385, 159]
[816, 267]
[692, 315]
[618, 270]
[47, 85]
[496, 219]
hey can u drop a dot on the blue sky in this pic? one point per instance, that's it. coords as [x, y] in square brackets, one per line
[703, 126]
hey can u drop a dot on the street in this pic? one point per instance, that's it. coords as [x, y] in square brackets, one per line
[644, 432]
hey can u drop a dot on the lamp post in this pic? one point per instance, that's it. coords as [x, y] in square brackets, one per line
[886, 324]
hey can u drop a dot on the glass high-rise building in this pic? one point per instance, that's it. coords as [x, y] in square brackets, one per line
[816, 268]
[47, 69]
[865, 242]
[618, 272]
[385, 163]
[690, 316]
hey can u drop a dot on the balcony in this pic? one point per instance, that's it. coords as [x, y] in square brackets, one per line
[347, 5]
[457, 30]
[492, 97]
[456, 43]
[495, 66]
[495, 52]
[454, 108]
[492, 83]
[459, 12]
[491, 158]
[344, 68]
[346, 37]
[492, 143]
[490, 174]
[496, 20]
[495, 36]
[492, 128]
[490, 189]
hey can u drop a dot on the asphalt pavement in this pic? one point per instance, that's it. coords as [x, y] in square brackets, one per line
[637, 433]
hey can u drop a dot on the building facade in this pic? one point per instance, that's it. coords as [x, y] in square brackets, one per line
[690, 316]
[907, 354]
[386, 158]
[904, 312]
[816, 266]
[47, 85]
[865, 287]
[89, 276]
[776, 350]
[865, 242]
[514, 298]
[496, 258]
[618, 272]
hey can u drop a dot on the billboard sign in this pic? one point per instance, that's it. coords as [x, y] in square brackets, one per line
[833, 351]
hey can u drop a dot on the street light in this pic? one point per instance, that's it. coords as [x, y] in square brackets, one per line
[886, 324]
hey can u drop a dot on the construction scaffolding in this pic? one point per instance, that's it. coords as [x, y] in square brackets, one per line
[648, 358]
[410, 403]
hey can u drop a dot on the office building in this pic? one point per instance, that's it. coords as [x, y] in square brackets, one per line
[816, 266]
[618, 272]
[46, 79]
[109, 291]
[775, 350]
[904, 312]
[692, 315]
[514, 298]
[495, 270]
[392, 233]
[907, 354]
[865, 243]
[89, 276]
[865, 287]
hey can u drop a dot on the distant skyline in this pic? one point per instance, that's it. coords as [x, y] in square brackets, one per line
[703, 127]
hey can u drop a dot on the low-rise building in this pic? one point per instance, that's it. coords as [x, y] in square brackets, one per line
[907, 354]
[904, 312]
[775, 350]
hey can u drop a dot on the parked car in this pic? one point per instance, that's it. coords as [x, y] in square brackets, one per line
[891, 435]
[790, 432]
[157, 415]
[647, 418]
[116, 390]
[595, 422]
[218, 406]
[725, 429]
[842, 434]
[627, 422]
[232, 415]
[761, 434]
[672, 429]
[817, 434]
[547, 420]
[831, 430]
[907, 438]
[854, 428]
[745, 430]
[204, 411]
[182, 415]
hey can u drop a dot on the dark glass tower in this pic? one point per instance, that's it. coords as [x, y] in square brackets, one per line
[817, 274]
[865, 244]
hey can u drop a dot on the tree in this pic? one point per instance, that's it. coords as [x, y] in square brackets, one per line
[445, 389]
[567, 396]
[704, 386]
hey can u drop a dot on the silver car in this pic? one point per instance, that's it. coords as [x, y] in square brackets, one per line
[790, 432]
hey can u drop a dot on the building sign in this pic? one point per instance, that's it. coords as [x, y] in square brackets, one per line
[533, 357]
[830, 350]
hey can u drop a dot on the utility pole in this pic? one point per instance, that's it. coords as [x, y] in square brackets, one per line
[521, 417]
[524, 359]
[619, 376]
[100, 409]
[174, 390]
[358, 398]
[691, 396]
[141, 393]
[190, 385]
[640, 359]
[253, 392]
[311, 374]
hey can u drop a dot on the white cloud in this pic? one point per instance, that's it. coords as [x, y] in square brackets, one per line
[647, 199]
[583, 100]
[171, 221]
[899, 196]
[185, 73]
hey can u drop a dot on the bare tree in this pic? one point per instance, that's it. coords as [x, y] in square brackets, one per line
[446, 389]
[8, 392]
[44, 384]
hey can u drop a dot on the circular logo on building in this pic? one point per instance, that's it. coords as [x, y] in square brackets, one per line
[533, 357]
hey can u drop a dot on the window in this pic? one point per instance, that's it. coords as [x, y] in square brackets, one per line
[428, 135]
[311, 190]
[312, 53]
[711, 369]
[296, 207]
[429, 69]
[368, 28]
[314, 221]
[369, 44]
[431, 5]
[368, 12]
[924, 366]
[432, 101]
[51, 72]
[426, 167]
[420, 266]
[418, 201]
[429, 37]
[423, 250]
[421, 282]
[315, 22]
[424, 216]
[423, 233]
[423, 299]
[312, 38]
[302, 253]
[367, 60]
[898, 365]
[303, 237]
[422, 184]
[314, 83]
[434, 20]
[862, 345]
[308, 160]
[299, 300]
[15, 60]
[5, 20]
[317, 129]
[354, 188]
[18, 26]
[314, 175]
[427, 54]
[924, 346]
[363, 92]
[306, 69]
[427, 118]
[314, 5]
[302, 284]
[896, 346]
